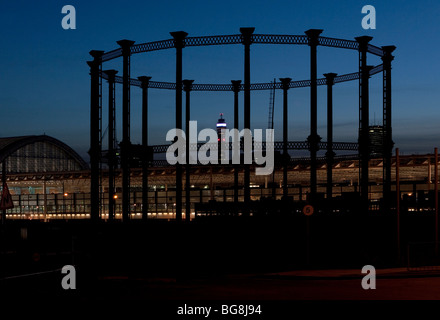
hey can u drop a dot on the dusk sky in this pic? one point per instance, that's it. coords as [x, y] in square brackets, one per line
[45, 82]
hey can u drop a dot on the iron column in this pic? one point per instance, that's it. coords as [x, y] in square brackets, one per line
[387, 127]
[285, 83]
[145, 154]
[95, 147]
[398, 202]
[330, 77]
[314, 138]
[179, 44]
[364, 140]
[436, 198]
[4, 184]
[246, 39]
[236, 147]
[187, 86]
[111, 142]
[125, 144]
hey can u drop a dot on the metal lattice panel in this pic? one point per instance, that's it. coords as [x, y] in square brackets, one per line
[279, 39]
[212, 87]
[253, 87]
[351, 146]
[152, 46]
[338, 43]
[347, 77]
[277, 145]
[300, 84]
[162, 85]
[212, 40]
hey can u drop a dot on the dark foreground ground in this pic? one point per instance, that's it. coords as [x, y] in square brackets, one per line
[282, 264]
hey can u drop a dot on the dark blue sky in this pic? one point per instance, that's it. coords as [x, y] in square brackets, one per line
[45, 84]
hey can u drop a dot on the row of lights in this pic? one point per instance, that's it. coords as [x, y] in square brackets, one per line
[49, 215]
[65, 215]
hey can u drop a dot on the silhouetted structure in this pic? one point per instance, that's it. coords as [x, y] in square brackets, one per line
[313, 39]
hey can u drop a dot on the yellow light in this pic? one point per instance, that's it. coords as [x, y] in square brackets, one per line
[66, 194]
[115, 196]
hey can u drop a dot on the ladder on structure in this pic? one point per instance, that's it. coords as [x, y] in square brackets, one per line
[271, 106]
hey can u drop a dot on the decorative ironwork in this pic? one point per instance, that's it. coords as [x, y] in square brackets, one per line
[212, 40]
[279, 39]
[152, 46]
[338, 43]
[347, 77]
[237, 39]
[277, 145]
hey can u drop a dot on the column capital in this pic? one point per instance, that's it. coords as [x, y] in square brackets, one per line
[125, 45]
[179, 38]
[285, 82]
[187, 85]
[111, 74]
[363, 42]
[313, 35]
[313, 141]
[246, 35]
[330, 77]
[387, 56]
[144, 81]
[236, 85]
[96, 54]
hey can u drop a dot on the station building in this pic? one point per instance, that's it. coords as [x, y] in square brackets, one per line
[49, 180]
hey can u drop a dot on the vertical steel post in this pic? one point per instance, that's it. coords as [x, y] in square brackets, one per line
[3, 184]
[330, 77]
[145, 154]
[111, 142]
[45, 199]
[246, 38]
[398, 201]
[179, 44]
[236, 90]
[126, 143]
[314, 138]
[285, 83]
[387, 124]
[436, 198]
[364, 144]
[95, 147]
[364, 141]
[187, 86]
